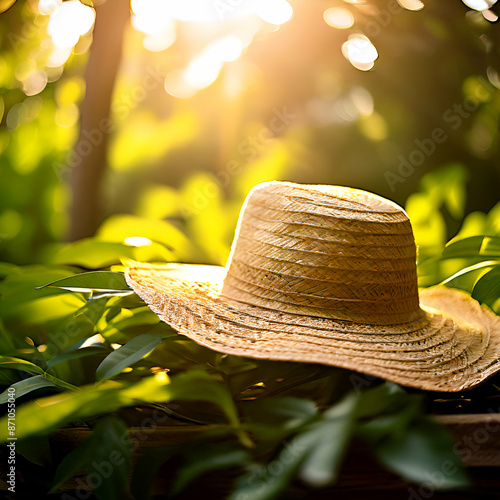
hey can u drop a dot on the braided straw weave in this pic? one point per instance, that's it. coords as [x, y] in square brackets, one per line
[326, 274]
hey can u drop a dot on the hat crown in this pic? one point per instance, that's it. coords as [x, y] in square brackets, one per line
[324, 251]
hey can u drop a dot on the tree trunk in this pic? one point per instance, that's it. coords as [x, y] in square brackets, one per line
[95, 120]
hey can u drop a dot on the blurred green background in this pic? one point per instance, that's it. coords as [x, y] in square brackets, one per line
[154, 120]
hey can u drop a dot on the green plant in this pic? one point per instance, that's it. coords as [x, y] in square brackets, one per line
[84, 350]
[80, 351]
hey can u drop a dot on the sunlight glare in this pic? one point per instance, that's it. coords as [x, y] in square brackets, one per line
[151, 16]
[226, 49]
[274, 11]
[95, 339]
[67, 23]
[137, 241]
[202, 71]
[205, 68]
[338, 17]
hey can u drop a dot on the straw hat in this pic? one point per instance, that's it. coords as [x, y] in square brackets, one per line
[327, 274]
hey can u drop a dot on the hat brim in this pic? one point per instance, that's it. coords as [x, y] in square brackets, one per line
[454, 346]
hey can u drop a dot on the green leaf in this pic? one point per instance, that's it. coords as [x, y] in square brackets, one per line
[92, 253]
[74, 461]
[19, 288]
[50, 413]
[26, 386]
[209, 458]
[385, 398]
[36, 450]
[466, 278]
[423, 453]
[6, 341]
[20, 364]
[79, 325]
[105, 454]
[285, 412]
[6, 268]
[321, 466]
[265, 482]
[196, 385]
[118, 227]
[111, 459]
[487, 288]
[102, 281]
[27, 366]
[128, 354]
[128, 323]
[147, 467]
[316, 454]
[69, 355]
[484, 246]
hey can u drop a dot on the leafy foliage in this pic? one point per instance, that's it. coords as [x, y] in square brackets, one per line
[272, 424]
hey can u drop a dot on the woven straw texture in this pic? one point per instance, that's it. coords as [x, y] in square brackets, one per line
[326, 274]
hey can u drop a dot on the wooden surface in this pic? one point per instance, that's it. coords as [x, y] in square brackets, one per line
[477, 438]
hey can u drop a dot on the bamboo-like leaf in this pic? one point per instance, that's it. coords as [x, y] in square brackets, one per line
[128, 354]
[487, 288]
[25, 387]
[101, 281]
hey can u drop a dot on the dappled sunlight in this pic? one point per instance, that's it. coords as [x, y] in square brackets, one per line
[158, 21]
[204, 69]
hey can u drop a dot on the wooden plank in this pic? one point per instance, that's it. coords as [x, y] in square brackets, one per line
[477, 437]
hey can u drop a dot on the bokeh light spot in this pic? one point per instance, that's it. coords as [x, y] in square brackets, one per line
[159, 41]
[479, 4]
[46, 7]
[274, 11]
[68, 22]
[35, 82]
[374, 127]
[411, 4]
[67, 115]
[338, 17]
[360, 52]
[490, 16]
